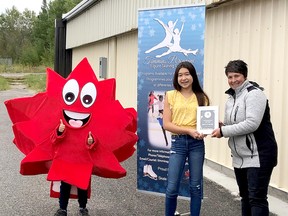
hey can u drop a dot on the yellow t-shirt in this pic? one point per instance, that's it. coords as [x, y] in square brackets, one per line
[184, 110]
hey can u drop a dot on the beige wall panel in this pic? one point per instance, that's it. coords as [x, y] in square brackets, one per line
[93, 52]
[254, 31]
[214, 80]
[126, 69]
[278, 75]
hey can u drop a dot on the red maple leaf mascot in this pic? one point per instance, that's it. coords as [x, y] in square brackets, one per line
[87, 108]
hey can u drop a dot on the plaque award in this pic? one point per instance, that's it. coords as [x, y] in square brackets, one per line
[207, 119]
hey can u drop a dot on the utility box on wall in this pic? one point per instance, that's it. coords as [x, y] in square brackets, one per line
[103, 67]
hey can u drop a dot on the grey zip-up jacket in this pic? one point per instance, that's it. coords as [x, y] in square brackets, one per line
[248, 126]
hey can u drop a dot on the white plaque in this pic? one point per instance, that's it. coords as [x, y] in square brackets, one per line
[207, 119]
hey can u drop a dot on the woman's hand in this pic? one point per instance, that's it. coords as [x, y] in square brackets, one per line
[221, 124]
[216, 133]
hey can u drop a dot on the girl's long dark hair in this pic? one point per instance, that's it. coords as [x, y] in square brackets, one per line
[202, 97]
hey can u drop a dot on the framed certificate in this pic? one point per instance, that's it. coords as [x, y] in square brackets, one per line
[207, 119]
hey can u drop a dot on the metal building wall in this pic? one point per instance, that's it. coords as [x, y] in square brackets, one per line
[255, 31]
[252, 30]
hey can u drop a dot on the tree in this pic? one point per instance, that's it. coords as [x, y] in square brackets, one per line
[15, 31]
[44, 28]
[29, 39]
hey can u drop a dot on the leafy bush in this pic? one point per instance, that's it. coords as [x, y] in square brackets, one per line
[36, 82]
[29, 56]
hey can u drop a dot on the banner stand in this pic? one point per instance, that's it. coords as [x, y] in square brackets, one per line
[166, 37]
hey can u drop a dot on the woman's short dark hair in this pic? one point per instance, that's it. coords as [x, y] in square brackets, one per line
[237, 66]
[196, 87]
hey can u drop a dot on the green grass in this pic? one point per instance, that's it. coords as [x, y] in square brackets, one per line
[36, 82]
[16, 68]
[34, 79]
[4, 85]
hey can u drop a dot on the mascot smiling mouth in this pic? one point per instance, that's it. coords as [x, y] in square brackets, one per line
[76, 119]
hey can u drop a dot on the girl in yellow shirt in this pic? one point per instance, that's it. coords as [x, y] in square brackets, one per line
[179, 117]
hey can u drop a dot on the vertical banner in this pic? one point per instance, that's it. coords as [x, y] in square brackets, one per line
[165, 38]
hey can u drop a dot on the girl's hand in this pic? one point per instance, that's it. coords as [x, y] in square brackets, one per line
[196, 135]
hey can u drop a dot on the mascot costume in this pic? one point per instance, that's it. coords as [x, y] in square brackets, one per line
[87, 107]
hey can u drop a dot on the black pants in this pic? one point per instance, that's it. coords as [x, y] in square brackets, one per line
[253, 186]
[65, 189]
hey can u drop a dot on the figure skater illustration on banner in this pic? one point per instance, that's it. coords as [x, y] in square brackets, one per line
[171, 40]
[167, 41]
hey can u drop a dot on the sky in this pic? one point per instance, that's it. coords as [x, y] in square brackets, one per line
[34, 5]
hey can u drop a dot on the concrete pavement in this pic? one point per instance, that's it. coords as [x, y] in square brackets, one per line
[29, 195]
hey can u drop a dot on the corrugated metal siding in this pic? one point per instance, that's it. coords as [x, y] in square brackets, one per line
[108, 18]
[255, 31]
[112, 17]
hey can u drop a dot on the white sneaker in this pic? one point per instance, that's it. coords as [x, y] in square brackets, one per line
[177, 213]
[151, 173]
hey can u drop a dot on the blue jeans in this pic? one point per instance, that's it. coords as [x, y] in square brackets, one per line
[183, 147]
[253, 187]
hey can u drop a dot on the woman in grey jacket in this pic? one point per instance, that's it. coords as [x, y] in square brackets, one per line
[251, 138]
